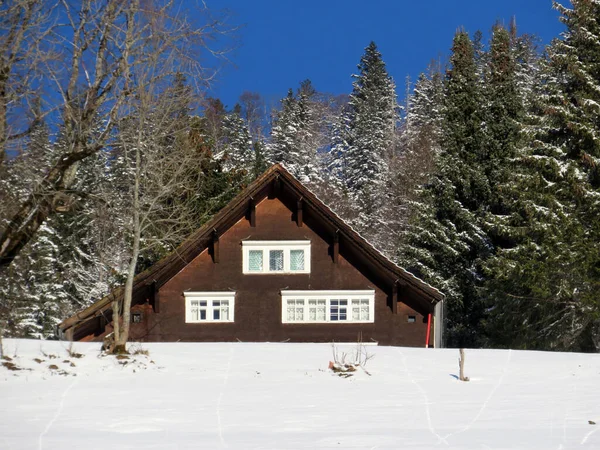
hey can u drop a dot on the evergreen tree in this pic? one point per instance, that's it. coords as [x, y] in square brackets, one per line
[282, 147]
[238, 148]
[413, 170]
[367, 130]
[364, 141]
[448, 242]
[503, 117]
[547, 277]
[295, 134]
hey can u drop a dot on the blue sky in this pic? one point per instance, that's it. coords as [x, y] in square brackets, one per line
[283, 42]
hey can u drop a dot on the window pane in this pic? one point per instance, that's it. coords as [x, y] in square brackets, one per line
[295, 310]
[334, 313]
[360, 309]
[296, 259]
[216, 314]
[225, 312]
[338, 309]
[364, 313]
[275, 260]
[255, 260]
[202, 314]
[316, 310]
[321, 311]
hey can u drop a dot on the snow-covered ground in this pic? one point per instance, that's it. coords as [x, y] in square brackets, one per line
[282, 396]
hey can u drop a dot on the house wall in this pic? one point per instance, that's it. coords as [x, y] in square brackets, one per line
[258, 301]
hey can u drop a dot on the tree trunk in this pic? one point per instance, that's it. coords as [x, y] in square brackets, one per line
[3, 118]
[461, 364]
[121, 342]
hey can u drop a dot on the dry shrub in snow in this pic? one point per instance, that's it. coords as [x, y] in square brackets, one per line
[346, 363]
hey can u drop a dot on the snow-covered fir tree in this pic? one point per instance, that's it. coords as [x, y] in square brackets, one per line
[71, 262]
[503, 117]
[447, 241]
[367, 129]
[546, 277]
[238, 149]
[364, 140]
[295, 134]
[413, 167]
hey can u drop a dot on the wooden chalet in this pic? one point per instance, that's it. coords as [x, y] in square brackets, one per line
[277, 265]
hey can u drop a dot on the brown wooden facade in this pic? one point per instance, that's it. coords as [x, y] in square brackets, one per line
[276, 207]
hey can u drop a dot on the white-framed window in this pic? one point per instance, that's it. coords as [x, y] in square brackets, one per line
[328, 306]
[276, 257]
[201, 307]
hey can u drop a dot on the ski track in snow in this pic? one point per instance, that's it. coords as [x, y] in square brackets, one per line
[425, 398]
[486, 401]
[57, 414]
[225, 380]
[568, 407]
[585, 438]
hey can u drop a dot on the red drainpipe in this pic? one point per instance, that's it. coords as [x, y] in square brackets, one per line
[428, 330]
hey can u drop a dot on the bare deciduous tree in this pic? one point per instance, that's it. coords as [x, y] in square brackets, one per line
[100, 48]
[24, 26]
[160, 168]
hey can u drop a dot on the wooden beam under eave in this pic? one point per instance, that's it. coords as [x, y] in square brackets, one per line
[336, 246]
[276, 186]
[395, 297]
[215, 246]
[252, 212]
[154, 296]
[299, 207]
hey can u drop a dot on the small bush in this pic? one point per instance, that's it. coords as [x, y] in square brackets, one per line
[345, 363]
[137, 349]
[72, 353]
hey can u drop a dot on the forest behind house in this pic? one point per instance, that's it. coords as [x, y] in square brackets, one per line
[484, 181]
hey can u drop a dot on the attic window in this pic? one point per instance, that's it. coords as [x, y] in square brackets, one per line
[412, 319]
[136, 317]
[271, 257]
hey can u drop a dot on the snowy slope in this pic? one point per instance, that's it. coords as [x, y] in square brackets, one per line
[278, 396]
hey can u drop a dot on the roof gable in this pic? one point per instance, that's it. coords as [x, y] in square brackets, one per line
[275, 182]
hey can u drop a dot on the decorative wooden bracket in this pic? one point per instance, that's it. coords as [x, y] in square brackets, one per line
[299, 207]
[252, 212]
[336, 246]
[153, 296]
[395, 296]
[215, 246]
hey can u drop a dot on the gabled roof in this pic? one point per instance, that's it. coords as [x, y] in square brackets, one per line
[169, 266]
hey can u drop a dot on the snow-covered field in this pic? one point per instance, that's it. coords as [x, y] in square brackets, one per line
[280, 396]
